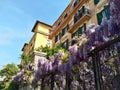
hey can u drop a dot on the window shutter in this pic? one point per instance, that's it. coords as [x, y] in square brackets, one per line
[83, 9]
[99, 17]
[84, 27]
[56, 38]
[63, 31]
[80, 31]
[65, 44]
[67, 26]
[59, 35]
[96, 1]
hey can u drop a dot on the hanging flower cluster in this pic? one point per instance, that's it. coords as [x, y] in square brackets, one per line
[25, 74]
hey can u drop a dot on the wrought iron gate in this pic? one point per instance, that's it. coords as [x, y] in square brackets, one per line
[106, 65]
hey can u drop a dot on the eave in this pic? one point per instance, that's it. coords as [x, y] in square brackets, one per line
[37, 22]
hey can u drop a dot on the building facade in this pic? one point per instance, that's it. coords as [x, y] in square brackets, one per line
[71, 23]
[75, 18]
[40, 38]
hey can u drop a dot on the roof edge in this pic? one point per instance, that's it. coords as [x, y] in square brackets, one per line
[24, 46]
[41, 23]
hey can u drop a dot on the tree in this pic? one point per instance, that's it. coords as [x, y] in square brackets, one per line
[25, 60]
[9, 70]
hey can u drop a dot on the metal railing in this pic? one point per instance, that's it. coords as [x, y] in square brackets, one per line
[106, 65]
[81, 13]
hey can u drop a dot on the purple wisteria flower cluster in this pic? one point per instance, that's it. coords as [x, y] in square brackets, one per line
[25, 74]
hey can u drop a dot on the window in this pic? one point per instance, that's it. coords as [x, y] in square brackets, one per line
[96, 1]
[65, 44]
[75, 34]
[105, 12]
[80, 31]
[80, 13]
[65, 15]
[59, 23]
[76, 2]
[99, 17]
[57, 37]
[64, 31]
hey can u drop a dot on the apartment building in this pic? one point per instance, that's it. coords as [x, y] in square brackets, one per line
[75, 18]
[40, 37]
[103, 9]
[72, 22]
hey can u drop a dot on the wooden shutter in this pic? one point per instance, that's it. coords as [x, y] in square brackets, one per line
[96, 1]
[99, 17]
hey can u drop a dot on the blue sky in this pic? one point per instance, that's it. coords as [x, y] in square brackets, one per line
[17, 18]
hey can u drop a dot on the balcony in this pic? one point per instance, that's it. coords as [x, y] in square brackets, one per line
[79, 19]
[68, 18]
[81, 13]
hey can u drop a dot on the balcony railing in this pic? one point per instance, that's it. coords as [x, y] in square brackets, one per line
[69, 17]
[81, 13]
[79, 20]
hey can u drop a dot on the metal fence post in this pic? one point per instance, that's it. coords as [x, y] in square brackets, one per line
[68, 82]
[97, 71]
[52, 81]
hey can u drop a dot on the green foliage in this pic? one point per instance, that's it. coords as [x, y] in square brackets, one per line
[65, 58]
[75, 69]
[50, 51]
[10, 85]
[27, 75]
[2, 85]
[25, 60]
[9, 70]
[20, 66]
[13, 86]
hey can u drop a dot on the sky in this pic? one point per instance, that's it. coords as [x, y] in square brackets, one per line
[17, 18]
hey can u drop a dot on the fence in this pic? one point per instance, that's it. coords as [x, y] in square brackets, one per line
[106, 62]
[100, 72]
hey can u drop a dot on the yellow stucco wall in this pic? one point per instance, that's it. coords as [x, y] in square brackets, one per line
[43, 29]
[40, 40]
[42, 32]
